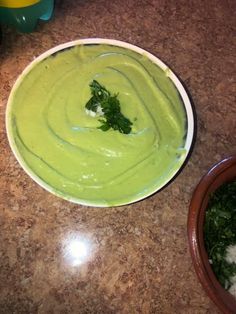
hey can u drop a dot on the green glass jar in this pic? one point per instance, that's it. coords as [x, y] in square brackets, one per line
[24, 15]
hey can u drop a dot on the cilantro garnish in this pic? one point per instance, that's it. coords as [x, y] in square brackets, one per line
[108, 106]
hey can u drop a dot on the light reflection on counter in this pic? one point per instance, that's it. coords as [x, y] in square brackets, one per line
[76, 249]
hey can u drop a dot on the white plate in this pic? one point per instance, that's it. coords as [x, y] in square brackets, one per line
[102, 202]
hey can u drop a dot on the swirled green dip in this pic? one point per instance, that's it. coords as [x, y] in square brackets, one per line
[62, 146]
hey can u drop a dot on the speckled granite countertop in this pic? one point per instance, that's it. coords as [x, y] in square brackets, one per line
[134, 259]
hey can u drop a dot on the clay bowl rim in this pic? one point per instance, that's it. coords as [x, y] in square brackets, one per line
[222, 172]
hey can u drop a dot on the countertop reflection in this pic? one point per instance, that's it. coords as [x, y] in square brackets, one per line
[76, 249]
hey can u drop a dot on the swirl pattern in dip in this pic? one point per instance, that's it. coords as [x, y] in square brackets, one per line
[62, 146]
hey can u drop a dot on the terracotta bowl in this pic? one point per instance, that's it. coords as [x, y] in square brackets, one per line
[222, 172]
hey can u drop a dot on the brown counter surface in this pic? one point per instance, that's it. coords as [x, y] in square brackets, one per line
[134, 259]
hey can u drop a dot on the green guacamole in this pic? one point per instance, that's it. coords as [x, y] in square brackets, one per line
[60, 144]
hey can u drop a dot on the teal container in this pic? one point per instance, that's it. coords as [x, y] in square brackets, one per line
[24, 15]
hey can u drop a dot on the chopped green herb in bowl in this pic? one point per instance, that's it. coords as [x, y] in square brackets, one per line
[220, 234]
[212, 233]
